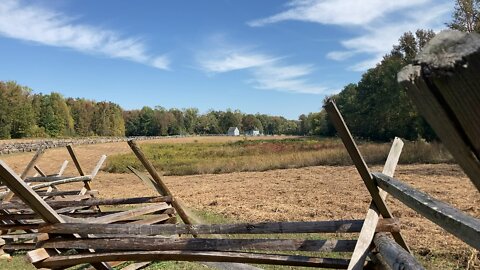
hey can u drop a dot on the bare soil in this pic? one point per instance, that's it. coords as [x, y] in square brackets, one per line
[313, 193]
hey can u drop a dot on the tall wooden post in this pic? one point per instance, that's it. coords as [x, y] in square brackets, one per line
[445, 88]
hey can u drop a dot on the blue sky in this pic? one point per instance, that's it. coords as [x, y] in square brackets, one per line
[269, 56]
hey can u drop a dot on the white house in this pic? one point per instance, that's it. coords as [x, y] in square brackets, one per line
[233, 131]
[252, 132]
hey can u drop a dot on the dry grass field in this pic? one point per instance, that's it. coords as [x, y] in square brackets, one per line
[311, 193]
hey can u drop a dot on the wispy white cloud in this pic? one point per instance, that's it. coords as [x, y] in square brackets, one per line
[267, 72]
[290, 78]
[45, 26]
[224, 61]
[380, 22]
[345, 12]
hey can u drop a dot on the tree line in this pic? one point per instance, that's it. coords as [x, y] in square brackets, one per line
[26, 114]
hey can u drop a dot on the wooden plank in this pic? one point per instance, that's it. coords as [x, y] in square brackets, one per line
[32, 162]
[463, 226]
[55, 193]
[17, 227]
[291, 260]
[158, 181]
[362, 168]
[63, 181]
[128, 214]
[394, 255]
[12, 247]
[75, 160]
[152, 220]
[90, 202]
[340, 226]
[43, 179]
[39, 171]
[201, 244]
[27, 194]
[63, 167]
[356, 157]
[25, 172]
[145, 179]
[365, 237]
[444, 87]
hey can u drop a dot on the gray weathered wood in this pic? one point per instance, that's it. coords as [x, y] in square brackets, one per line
[75, 159]
[25, 172]
[43, 179]
[336, 226]
[63, 181]
[91, 202]
[359, 162]
[394, 255]
[54, 193]
[456, 222]
[158, 181]
[145, 179]
[444, 86]
[356, 157]
[27, 194]
[365, 237]
[201, 244]
[128, 214]
[292, 260]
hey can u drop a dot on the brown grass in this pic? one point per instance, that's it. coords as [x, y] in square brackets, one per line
[262, 155]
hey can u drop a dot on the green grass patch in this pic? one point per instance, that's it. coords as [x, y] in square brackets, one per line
[262, 155]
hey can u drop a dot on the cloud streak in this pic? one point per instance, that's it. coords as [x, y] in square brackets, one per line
[266, 71]
[380, 23]
[51, 28]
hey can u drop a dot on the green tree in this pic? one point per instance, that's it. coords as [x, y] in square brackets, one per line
[230, 119]
[250, 122]
[131, 119]
[190, 119]
[108, 120]
[466, 16]
[207, 124]
[55, 116]
[83, 114]
[17, 117]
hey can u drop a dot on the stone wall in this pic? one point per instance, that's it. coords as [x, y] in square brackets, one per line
[34, 145]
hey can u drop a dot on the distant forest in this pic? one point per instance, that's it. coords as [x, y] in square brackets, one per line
[26, 114]
[376, 108]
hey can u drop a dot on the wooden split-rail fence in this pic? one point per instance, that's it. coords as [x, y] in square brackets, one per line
[60, 222]
[71, 227]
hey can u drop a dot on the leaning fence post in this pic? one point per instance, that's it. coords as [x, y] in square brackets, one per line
[25, 172]
[156, 177]
[360, 164]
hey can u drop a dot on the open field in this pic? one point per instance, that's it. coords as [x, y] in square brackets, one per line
[266, 154]
[311, 193]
